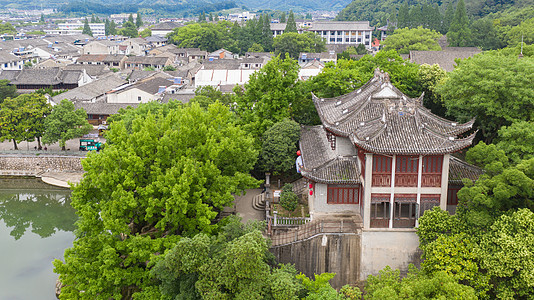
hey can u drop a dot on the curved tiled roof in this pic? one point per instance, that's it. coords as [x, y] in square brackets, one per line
[320, 162]
[379, 118]
[459, 169]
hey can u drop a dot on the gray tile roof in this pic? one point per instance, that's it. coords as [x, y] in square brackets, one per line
[147, 60]
[8, 57]
[150, 85]
[445, 58]
[91, 90]
[459, 169]
[106, 58]
[166, 26]
[91, 70]
[379, 118]
[320, 162]
[341, 25]
[102, 108]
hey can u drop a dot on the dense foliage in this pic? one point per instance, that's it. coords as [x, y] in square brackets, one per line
[162, 175]
[279, 147]
[404, 40]
[65, 123]
[288, 199]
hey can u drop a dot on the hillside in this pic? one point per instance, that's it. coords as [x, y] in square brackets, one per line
[378, 11]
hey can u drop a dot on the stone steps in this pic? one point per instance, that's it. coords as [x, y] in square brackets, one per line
[258, 202]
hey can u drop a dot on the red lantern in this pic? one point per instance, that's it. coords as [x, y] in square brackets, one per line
[311, 193]
[298, 152]
[311, 185]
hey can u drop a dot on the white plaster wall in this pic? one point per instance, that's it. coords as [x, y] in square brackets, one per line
[344, 147]
[320, 205]
[396, 248]
[130, 96]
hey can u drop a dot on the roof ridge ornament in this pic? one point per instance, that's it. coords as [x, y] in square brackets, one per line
[381, 75]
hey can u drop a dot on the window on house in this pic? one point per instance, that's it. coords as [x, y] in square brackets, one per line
[332, 32]
[339, 32]
[381, 164]
[432, 164]
[407, 164]
[347, 40]
[340, 194]
[340, 39]
[139, 98]
[332, 39]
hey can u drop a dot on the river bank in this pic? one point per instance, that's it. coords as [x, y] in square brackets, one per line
[57, 170]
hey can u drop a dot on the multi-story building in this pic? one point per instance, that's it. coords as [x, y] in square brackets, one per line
[98, 29]
[340, 33]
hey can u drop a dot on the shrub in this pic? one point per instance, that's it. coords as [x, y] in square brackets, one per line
[288, 198]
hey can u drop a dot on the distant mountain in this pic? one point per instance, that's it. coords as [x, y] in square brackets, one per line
[183, 7]
[295, 5]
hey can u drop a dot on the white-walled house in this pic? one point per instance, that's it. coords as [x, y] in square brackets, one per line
[140, 92]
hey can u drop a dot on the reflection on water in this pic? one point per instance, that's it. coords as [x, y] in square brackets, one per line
[36, 224]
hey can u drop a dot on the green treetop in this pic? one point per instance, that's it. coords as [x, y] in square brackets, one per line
[166, 171]
[65, 123]
[459, 34]
[291, 25]
[129, 30]
[131, 19]
[86, 28]
[405, 40]
[138, 20]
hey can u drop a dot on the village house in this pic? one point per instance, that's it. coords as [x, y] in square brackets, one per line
[162, 29]
[156, 41]
[142, 62]
[135, 46]
[29, 80]
[220, 54]
[110, 60]
[142, 91]
[223, 72]
[101, 47]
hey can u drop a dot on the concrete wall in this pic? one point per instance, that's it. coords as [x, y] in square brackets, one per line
[319, 204]
[395, 248]
[334, 253]
[344, 147]
[131, 96]
[31, 165]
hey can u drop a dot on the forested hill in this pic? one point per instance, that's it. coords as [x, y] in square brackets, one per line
[378, 11]
[182, 7]
[295, 5]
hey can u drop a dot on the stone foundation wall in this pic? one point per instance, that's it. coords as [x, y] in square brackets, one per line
[334, 253]
[31, 165]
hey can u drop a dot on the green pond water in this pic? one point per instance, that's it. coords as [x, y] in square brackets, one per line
[36, 226]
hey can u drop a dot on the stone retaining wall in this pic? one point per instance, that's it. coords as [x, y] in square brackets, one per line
[32, 165]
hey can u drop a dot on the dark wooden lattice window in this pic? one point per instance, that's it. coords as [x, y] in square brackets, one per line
[331, 139]
[427, 202]
[407, 164]
[432, 164]
[380, 210]
[342, 195]
[381, 164]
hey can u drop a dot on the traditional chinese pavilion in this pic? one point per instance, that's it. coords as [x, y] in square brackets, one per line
[382, 155]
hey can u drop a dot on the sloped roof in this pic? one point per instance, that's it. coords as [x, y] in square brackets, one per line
[102, 108]
[8, 57]
[147, 60]
[445, 58]
[338, 25]
[459, 169]
[150, 85]
[320, 162]
[100, 58]
[91, 70]
[166, 26]
[91, 90]
[379, 118]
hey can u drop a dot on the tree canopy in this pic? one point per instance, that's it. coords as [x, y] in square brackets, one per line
[404, 40]
[86, 28]
[65, 123]
[459, 34]
[493, 88]
[294, 43]
[161, 175]
[278, 152]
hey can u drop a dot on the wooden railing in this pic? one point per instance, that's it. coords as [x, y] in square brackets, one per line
[381, 180]
[431, 180]
[409, 179]
[314, 228]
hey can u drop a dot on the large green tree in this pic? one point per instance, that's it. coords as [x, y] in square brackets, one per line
[22, 118]
[404, 40]
[138, 20]
[129, 29]
[494, 88]
[293, 44]
[65, 123]
[291, 25]
[278, 152]
[86, 28]
[162, 175]
[459, 34]
[7, 90]
[268, 95]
